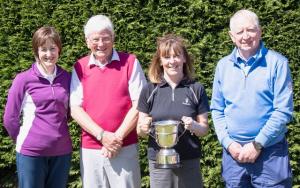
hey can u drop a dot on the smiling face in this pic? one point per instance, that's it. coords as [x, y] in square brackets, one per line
[101, 45]
[172, 63]
[48, 54]
[246, 35]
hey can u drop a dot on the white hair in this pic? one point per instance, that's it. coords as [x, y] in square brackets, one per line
[98, 23]
[244, 13]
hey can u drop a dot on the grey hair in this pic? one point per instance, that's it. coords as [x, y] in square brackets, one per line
[246, 13]
[98, 23]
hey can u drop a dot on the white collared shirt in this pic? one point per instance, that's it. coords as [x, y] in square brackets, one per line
[94, 61]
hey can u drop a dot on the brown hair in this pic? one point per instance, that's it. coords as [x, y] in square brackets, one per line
[164, 45]
[42, 35]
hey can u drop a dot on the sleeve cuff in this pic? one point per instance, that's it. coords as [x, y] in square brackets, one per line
[226, 142]
[263, 140]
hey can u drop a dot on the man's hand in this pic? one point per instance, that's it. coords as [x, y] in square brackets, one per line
[248, 153]
[111, 142]
[106, 153]
[235, 150]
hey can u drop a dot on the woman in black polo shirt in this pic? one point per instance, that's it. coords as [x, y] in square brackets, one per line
[173, 94]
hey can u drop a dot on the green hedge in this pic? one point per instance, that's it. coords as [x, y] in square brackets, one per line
[204, 23]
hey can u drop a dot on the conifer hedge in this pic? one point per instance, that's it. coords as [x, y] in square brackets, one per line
[204, 23]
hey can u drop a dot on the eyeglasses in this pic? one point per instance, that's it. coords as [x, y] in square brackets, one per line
[104, 40]
[248, 32]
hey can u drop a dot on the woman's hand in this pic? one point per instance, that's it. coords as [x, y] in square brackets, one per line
[143, 126]
[199, 127]
[189, 123]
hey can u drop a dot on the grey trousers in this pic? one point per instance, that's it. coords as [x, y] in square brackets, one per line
[122, 171]
[187, 176]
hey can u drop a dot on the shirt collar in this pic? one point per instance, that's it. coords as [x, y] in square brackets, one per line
[261, 52]
[42, 72]
[185, 82]
[93, 61]
[249, 61]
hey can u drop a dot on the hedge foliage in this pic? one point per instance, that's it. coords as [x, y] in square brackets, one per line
[204, 23]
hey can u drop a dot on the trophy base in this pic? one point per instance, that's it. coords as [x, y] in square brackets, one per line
[167, 158]
[167, 166]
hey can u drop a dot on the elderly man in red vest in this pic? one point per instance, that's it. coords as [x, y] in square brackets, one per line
[105, 88]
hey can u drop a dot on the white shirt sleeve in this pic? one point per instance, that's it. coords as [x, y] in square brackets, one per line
[76, 96]
[137, 81]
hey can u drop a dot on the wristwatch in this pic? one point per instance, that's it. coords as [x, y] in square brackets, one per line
[257, 145]
[100, 135]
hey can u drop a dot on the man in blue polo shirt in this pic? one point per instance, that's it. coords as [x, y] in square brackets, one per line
[251, 105]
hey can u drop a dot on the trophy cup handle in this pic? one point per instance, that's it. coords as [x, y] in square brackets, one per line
[152, 130]
[181, 123]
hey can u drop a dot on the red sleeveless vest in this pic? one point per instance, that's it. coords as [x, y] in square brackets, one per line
[106, 96]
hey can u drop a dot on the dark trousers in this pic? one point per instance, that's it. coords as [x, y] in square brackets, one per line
[271, 169]
[187, 176]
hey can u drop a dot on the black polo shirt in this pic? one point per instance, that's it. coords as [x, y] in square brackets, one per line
[162, 102]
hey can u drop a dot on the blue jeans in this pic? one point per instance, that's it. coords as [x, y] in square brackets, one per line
[43, 172]
[271, 169]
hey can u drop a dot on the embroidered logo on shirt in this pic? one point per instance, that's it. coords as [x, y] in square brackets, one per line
[186, 102]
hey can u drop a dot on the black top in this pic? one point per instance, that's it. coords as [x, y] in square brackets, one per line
[161, 102]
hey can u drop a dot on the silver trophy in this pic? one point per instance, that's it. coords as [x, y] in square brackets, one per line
[166, 136]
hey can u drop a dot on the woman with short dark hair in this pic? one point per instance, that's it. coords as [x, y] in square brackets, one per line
[41, 95]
